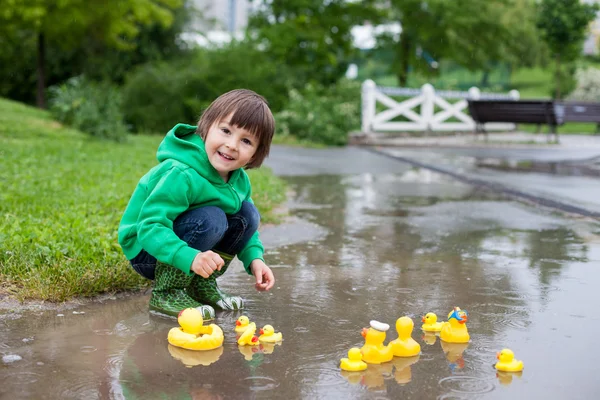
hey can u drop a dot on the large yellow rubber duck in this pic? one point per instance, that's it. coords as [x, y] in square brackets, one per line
[242, 324]
[248, 338]
[373, 351]
[354, 361]
[430, 323]
[455, 329]
[507, 363]
[268, 335]
[405, 345]
[192, 335]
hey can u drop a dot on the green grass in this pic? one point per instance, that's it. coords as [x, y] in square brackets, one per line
[63, 194]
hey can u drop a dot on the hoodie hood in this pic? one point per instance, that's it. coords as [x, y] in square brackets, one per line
[182, 144]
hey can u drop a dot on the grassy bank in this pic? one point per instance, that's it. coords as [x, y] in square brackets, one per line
[62, 197]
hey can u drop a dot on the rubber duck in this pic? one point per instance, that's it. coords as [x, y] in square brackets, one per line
[507, 363]
[405, 345]
[192, 335]
[191, 358]
[354, 361]
[430, 323]
[455, 329]
[373, 351]
[268, 335]
[241, 324]
[403, 371]
[248, 338]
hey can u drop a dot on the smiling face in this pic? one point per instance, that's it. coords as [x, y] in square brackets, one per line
[229, 147]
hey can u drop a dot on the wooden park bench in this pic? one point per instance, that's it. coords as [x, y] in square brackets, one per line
[514, 111]
[571, 111]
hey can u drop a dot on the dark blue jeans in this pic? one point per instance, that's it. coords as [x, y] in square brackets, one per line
[207, 228]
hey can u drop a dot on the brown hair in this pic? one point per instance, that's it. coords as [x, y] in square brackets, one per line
[249, 111]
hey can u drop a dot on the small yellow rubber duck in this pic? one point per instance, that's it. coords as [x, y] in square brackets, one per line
[354, 361]
[241, 324]
[507, 363]
[268, 335]
[248, 338]
[405, 345]
[373, 351]
[455, 330]
[192, 335]
[430, 323]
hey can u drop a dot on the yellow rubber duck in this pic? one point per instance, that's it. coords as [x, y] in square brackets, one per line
[192, 335]
[373, 351]
[507, 363]
[242, 324]
[405, 345]
[430, 323]
[268, 335]
[248, 338]
[455, 329]
[354, 361]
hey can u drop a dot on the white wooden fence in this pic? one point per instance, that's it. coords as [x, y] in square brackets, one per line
[427, 118]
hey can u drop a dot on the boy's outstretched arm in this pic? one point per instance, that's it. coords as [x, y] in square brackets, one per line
[263, 275]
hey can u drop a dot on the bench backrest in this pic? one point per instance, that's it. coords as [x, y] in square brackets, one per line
[516, 111]
[572, 111]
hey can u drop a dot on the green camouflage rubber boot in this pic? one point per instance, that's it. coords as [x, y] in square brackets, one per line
[169, 294]
[206, 290]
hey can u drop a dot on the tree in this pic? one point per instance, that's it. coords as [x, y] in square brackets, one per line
[313, 37]
[473, 33]
[563, 25]
[70, 22]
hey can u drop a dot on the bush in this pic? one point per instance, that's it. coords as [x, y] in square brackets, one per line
[588, 85]
[157, 96]
[322, 115]
[94, 108]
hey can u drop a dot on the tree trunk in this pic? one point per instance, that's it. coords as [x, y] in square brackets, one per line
[557, 93]
[41, 71]
[404, 58]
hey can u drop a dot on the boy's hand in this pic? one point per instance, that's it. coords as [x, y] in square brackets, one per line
[263, 274]
[206, 262]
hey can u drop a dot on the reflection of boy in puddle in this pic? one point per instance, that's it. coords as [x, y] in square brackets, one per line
[153, 369]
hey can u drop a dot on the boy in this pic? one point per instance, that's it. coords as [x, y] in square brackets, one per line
[192, 213]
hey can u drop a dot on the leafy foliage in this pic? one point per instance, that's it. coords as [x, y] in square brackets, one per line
[66, 26]
[588, 85]
[472, 33]
[322, 115]
[563, 25]
[158, 95]
[312, 37]
[90, 107]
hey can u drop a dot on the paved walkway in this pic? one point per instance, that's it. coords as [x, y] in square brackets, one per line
[561, 176]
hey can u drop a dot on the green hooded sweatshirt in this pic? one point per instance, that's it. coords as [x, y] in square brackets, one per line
[184, 179]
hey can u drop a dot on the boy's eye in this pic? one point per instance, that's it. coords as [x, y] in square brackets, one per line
[225, 130]
[247, 141]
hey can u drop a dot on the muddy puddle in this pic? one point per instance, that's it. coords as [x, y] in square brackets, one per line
[373, 247]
